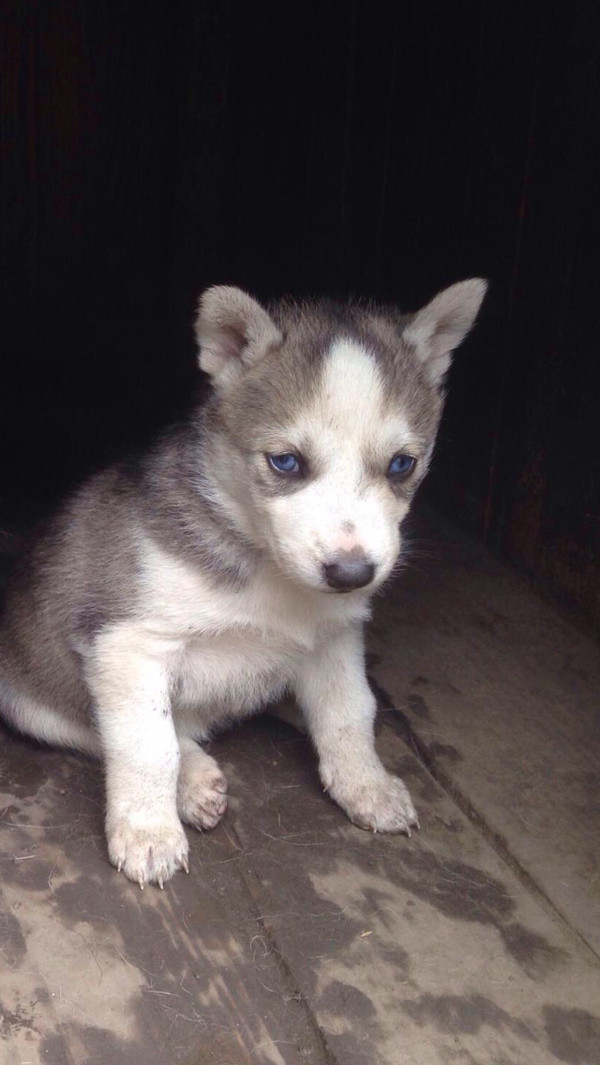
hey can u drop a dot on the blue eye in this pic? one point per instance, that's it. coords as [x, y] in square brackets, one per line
[286, 463]
[401, 466]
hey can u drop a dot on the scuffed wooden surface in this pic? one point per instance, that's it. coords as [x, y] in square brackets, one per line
[503, 694]
[95, 970]
[297, 937]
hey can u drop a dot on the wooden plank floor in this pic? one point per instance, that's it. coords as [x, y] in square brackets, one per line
[298, 938]
[503, 698]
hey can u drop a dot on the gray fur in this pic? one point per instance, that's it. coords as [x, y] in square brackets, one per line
[79, 571]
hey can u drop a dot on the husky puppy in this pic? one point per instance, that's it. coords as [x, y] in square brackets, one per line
[233, 561]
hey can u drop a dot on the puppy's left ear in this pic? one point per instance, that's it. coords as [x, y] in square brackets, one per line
[438, 329]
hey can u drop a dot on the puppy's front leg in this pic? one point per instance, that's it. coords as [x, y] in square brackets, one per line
[339, 707]
[141, 753]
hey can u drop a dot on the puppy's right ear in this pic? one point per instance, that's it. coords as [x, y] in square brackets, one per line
[232, 331]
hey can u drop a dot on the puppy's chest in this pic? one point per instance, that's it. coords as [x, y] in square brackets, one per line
[234, 647]
[231, 645]
[236, 670]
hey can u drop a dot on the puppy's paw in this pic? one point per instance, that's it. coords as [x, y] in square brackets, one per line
[148, 853]
[379, 802]
[201, 792]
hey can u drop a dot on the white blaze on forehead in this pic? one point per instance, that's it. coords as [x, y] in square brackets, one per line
[350, 410]
[351, 388]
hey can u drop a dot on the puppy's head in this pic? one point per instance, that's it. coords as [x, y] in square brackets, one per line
[323, 423]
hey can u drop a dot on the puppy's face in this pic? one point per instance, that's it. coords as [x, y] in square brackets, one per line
[331, 475]
[326, 419]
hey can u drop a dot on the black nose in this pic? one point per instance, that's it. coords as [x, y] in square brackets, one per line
[349, 572]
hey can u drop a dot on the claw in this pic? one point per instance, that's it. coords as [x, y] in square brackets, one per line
[185, 866]
[119, 866]
[160, 883]
[408, 832]
[141, 883]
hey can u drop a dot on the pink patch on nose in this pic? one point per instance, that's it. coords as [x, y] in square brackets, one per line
[348, 542]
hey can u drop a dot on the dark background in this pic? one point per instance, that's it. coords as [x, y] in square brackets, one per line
[376, 149]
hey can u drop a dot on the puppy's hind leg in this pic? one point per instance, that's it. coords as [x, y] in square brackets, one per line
[202, 788]
[47, 725]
